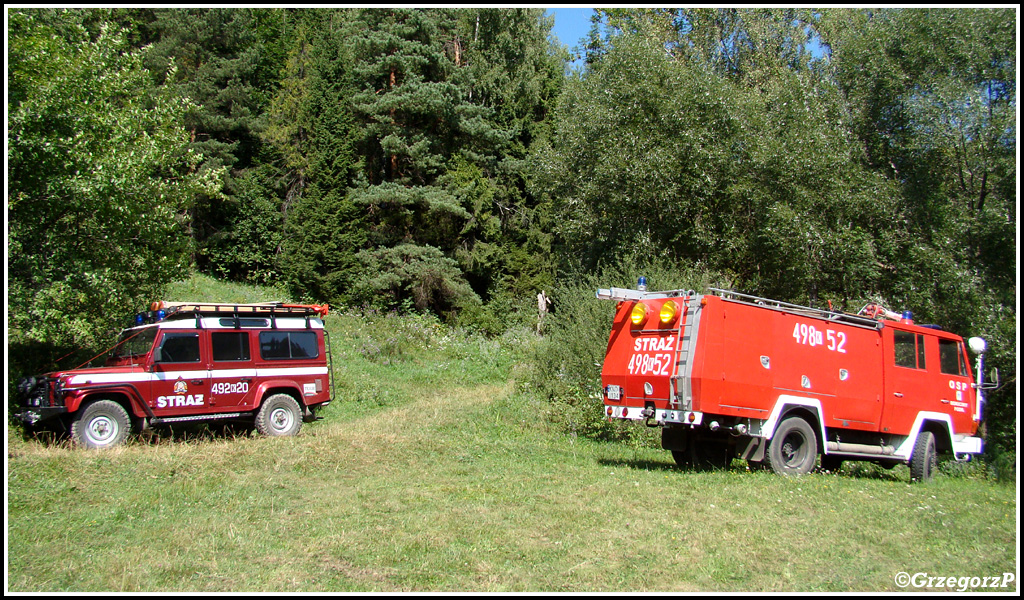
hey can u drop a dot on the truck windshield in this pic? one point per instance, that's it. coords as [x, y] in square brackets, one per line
[134, 342]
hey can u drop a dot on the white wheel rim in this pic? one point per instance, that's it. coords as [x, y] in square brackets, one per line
[101, 430]
[281, 419]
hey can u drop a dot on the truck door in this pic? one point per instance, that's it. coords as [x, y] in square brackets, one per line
[232, 370]
[180, 385]
[858, 368]
[907, 384]
[953, 386]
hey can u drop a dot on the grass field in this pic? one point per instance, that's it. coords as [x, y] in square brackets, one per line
[433, 472]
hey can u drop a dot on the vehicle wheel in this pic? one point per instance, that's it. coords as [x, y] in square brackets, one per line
[682, 458]
[703, 454]
[279, 415]
[793, 449]
[102, 424]
[924, 459]
[831, 463]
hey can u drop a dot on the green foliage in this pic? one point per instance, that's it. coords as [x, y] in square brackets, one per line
[940, 120]
[248, 245]
[753, 176]
[414, 276]
[100, 177]
[226, 60]
[630, 152]
[310, 125]
[398, 127]
[567, 362]
[204, 288]
[318, 259]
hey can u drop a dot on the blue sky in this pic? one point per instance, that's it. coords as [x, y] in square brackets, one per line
[571, 24]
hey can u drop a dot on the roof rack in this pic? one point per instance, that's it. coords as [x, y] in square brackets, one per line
[264, 308]
[806, 311]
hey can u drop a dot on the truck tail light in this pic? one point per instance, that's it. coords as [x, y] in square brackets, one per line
[639, 313]
[669, 311]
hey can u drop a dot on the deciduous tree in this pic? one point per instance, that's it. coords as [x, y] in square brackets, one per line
[100, 176]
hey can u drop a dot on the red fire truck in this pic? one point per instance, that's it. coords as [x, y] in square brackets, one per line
[728, 375]
[188, 361]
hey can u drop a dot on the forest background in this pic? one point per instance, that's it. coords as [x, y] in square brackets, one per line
[448, 161]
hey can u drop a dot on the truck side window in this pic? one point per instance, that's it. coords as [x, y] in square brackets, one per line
[288, 344]
[179, 348]
[230, 345]
[951, 358]
[909, 349]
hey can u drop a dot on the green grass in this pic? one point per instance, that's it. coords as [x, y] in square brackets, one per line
[432, 472]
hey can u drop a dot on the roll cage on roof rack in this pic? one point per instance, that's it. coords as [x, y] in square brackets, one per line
[163, 311]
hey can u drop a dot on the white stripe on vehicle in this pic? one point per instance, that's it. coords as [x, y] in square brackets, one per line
[95, 378]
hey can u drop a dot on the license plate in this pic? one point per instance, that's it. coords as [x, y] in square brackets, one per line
[613, 392]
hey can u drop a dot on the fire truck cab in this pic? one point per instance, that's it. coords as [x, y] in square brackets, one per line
[267, 364]
[728, 375]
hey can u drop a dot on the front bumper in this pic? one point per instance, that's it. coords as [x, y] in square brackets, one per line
[36, 399]
[38, 414]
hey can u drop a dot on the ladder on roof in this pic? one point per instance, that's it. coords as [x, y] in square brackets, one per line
[807, 311]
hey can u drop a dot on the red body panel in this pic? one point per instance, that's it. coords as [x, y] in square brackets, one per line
[200, 384]
[745, 357]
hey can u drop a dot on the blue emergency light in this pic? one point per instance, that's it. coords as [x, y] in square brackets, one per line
[150, 317]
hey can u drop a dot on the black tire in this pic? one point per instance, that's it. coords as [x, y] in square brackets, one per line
[793, 450]
[831, 463]
[703, 454]
[102, 424]
[682, 458]
[924, 460]
[280, 415]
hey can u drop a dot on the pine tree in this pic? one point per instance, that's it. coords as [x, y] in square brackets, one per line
[315, 130]
[226, 61]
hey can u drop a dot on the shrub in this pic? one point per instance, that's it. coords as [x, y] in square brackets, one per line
[566, 365]
[420, 276]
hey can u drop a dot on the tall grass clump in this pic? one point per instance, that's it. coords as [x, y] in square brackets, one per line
[386, 358]
[566, 364]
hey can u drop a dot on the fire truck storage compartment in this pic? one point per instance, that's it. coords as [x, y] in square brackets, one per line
[872, 385]
[755, 354]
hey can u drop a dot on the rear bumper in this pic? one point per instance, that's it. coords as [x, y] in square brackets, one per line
[637, 413]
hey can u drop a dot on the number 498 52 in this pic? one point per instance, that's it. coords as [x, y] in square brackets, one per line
[810, 335]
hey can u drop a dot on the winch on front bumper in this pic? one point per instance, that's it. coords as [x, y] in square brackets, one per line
[38, 397]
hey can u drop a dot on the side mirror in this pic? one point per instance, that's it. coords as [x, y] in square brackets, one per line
[993, 377]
